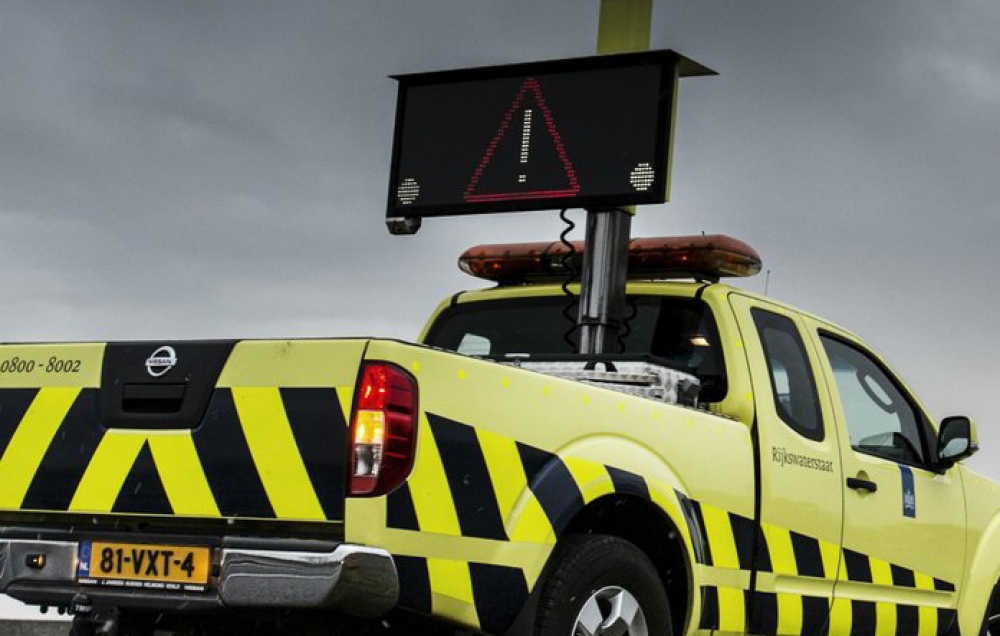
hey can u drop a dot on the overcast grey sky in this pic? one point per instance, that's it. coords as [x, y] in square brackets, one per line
[198, 169]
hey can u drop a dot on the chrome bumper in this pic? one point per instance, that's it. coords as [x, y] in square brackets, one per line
[353, 579]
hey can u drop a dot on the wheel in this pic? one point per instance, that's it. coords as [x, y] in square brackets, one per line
[599, 585]
[991, 621]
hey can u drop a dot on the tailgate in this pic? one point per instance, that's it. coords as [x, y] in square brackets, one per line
[220, 429]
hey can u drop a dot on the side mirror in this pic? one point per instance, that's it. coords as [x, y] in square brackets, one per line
[957, 440]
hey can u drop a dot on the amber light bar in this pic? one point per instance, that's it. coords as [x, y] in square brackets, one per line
[701, 257]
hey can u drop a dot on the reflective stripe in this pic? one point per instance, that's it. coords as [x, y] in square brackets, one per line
[182, 474]
[531, 523]
[840, 617]
[732, 609]
[591, 478]
[885, 619]
[928, 616]
[510, 485]
[451, 590]
[504, 464]
[429, 488]
[275, 453]
[779, 542]
[719, 532]
[345, 395]
[107, 471]
[833, 564]
[552, 484]
[789, 614]
[885, 613]
[469, 478]
[30, 441]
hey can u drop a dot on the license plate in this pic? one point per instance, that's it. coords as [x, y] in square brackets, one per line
[158, 567]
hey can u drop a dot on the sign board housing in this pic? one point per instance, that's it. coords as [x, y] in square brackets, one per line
[589, 132]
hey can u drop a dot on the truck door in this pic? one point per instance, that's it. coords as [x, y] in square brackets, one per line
[904, 523]
[800, 482]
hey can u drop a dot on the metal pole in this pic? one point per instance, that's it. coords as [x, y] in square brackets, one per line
[602, 284]
[624, 26]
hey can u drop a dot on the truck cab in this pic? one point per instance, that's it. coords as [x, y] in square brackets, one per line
[850, 479]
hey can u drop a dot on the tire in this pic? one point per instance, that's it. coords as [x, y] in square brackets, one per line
[991, 628]
[594, 578]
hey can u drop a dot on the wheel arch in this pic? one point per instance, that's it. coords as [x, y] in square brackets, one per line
[643, 523]
[981, 579]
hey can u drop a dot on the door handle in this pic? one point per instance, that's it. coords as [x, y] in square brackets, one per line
[858, 483]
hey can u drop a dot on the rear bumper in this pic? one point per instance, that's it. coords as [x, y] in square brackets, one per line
[350, 578]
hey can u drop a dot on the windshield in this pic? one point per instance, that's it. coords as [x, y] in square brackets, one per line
[680, 332]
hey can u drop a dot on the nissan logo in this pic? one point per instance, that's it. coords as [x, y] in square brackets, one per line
[162, 360]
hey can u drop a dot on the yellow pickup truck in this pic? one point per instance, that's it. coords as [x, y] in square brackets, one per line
[737, 467]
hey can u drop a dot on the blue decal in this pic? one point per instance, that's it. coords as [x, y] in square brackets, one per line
[909, 493]
[83, 569]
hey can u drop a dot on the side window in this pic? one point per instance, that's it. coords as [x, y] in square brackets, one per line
[880, 419]
[792, 381]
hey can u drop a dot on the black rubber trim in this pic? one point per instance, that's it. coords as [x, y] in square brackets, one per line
[700, 544]
[701, 290]
[627, 483]
[709, 608]
[700, 521]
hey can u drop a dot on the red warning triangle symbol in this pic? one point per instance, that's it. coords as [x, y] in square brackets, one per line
[526, 158]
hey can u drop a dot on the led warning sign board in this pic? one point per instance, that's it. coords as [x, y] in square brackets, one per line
[589, 132]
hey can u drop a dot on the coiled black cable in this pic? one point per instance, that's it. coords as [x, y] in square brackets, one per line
[568, 261]
[626, 329]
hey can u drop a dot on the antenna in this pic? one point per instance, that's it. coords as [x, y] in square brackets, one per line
[767, 281]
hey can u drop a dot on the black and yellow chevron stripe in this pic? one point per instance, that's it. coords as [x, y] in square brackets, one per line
[463, 489]
[477, 473]
[259, 453]
[816, 618]
[726, 540]
[467, 485]
[494, 593]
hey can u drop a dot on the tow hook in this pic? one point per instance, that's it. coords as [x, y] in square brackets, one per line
[88, 621]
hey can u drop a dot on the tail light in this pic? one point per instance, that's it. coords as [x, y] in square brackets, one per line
[383, 430]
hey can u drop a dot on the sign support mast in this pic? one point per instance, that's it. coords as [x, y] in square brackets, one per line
[624, 26]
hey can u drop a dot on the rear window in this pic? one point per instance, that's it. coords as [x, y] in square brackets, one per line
[680, 332]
